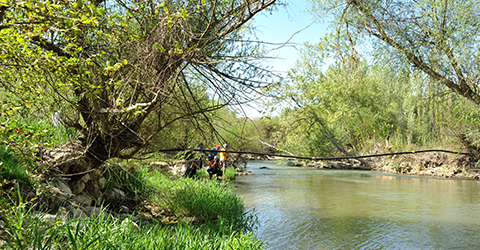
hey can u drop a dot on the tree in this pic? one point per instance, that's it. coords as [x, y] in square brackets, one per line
[115, 67]
[122, 72]
[438, 37]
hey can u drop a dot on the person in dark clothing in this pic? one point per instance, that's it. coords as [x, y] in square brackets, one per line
[200, 156]
[192, 164]
[214, 163]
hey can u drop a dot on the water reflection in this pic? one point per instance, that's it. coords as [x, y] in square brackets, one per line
[302, 208]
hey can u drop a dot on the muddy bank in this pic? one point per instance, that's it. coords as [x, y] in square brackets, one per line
[426, 164]
[430, 164]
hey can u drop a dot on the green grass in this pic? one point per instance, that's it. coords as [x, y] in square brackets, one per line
[202, 174]
[203, 199]
[10, 167]
[225, 224]
[107, 232]
[230, 173]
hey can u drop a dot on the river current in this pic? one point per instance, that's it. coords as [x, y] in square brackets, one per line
[304, 208]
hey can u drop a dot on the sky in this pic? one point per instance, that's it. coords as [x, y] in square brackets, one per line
[278, 28]
[284, 23]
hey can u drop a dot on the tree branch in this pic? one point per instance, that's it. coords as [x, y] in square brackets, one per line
[461, 88]
[49, 46]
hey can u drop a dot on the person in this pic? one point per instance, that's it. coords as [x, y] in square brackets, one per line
[212, 154]
[191, 165]
[223, 157]
[214, 163]
[199, 157]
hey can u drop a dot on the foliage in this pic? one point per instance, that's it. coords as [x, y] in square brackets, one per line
[202, 174]
[123, 72]
[379, 93]
[385, 74]
[230, 173]
[439, 38]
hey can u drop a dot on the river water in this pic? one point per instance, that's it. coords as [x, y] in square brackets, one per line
[304, 208]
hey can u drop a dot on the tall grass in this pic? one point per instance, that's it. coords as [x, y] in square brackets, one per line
[230, 173]
[25, 229]
[105, 232]
[203, 199]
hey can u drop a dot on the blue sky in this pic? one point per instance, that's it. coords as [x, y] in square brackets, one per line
[278, 28]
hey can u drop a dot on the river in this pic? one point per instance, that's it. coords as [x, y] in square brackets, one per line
[305, 208]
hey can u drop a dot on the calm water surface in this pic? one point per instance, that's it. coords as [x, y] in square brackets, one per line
[300, 208]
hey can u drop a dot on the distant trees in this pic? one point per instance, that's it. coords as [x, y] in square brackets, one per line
[387, 71]
[438, 37]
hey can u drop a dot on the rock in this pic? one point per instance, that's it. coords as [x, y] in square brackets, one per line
[62, 186]
[102, 183]
[161, 165]
[93, 211]
[75, 213]
[48, 217]
[77, 187]
[119, 194]
[94, 190]
[85, 178]
[128, 223]
[95, 174]
[124, 209]
[83, 199]
[115, 194]
[294, 163]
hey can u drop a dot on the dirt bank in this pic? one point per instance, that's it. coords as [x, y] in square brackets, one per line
[430, 164]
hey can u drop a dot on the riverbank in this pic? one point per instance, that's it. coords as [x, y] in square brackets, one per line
[430, 164]
[435, 164]
[154, 209]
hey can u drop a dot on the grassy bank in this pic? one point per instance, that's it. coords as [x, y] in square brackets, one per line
[181, 213]
[28, 231]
